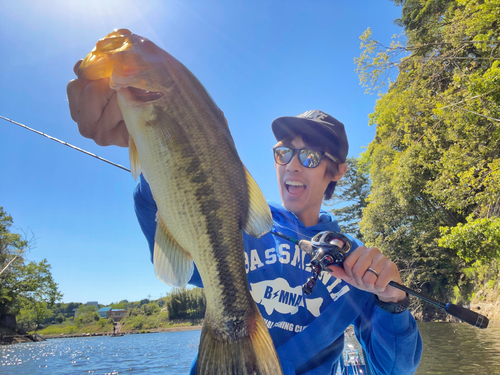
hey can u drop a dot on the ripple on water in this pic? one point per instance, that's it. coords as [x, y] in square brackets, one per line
[451, 348]
[448, 349]
[129, 354]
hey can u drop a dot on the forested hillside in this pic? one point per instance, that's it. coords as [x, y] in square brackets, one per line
[434, 165]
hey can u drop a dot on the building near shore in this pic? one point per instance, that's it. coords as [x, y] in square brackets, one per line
[109, 312]
[118, 314]
[104, 312]
[93, 303]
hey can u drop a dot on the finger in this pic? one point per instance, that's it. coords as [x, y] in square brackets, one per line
[363, 263]
[388, 273]
[77, 65]
[93, 102]
[110, 128]
[339, 273]
[74, 89]
[351, 260]
[370, 278]
[118, 136]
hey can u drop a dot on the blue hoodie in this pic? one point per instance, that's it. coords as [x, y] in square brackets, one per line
[308, 330]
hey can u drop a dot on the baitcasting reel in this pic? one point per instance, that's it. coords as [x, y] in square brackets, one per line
[327, 248]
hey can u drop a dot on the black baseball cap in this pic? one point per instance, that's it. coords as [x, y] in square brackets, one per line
[317, 124]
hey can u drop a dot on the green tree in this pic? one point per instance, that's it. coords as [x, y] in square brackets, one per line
[352, 193]
[22, 283]
[478, 239]
[185, 303]
[85, 309]
[435, 157]
[87, 315]
[60, 318]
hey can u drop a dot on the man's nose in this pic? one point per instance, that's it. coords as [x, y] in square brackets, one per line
[295, 164]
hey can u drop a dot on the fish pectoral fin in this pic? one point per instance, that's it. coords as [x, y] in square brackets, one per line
[259, 220]
[135, 165]
[173, 265]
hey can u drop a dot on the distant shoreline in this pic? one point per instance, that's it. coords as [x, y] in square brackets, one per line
[156, 330]
[15, 338]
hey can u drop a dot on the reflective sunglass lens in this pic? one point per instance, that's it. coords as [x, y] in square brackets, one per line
[309, 158]
[283, 155]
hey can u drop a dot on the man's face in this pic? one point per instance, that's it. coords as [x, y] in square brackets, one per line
[302, 188]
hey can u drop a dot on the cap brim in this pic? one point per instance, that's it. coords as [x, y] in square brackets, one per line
[288, 125]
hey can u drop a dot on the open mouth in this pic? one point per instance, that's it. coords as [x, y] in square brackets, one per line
[295, 187]
[144, 96]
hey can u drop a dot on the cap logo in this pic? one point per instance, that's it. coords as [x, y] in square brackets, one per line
[314, 115]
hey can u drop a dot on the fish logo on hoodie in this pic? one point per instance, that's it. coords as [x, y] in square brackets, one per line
[280, 296]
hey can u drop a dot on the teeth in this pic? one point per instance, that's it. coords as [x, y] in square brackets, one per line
[295, 183]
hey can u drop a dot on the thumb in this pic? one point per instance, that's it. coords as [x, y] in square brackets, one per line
[338, 272]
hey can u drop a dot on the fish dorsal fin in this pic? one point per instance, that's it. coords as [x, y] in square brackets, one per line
[259, 220]
[173, 265]
[135, 165]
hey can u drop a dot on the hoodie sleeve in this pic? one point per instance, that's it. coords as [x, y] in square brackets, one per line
[145, 210]
[391, 341]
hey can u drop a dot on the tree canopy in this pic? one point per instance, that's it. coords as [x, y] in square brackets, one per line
[351, 192]
[23, 283]
[435, 158]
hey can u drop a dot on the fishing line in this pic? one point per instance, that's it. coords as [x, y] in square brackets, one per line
[65, 143]
[107, 161]
[302, 235]
[457, 311]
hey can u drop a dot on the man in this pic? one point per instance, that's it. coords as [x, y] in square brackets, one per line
[308, 331]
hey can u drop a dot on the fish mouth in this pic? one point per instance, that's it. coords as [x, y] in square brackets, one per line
[144, 96]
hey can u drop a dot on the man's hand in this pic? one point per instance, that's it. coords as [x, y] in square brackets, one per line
[356, 273]
[94, 108]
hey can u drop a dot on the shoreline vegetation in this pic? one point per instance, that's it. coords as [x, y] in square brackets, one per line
[8, 336]
[181, 309]
[486, 301]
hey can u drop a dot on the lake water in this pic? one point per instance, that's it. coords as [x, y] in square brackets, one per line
[448, 349]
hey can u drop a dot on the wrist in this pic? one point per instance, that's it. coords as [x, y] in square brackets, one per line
[393, 299]
[394, 307]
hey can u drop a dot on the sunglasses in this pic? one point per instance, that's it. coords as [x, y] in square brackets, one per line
[308, 158]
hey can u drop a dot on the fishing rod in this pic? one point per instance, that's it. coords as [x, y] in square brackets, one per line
[325, 249]
[329, 248]
[65, 143]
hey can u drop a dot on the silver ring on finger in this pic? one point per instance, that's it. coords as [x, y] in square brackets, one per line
[372, 271]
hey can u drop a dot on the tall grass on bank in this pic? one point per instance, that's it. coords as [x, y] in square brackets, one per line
[101, 326]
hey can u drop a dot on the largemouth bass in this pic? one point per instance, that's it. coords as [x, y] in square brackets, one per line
[180, 141]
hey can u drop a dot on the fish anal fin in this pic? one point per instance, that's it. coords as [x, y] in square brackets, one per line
[259, 220]
[135, 165]
[173, 265]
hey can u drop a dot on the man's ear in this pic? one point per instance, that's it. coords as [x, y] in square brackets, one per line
[342, 170]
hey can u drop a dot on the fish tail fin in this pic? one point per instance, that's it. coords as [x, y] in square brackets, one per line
[251, 354]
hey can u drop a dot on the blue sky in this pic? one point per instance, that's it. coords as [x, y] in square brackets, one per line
[258, 59]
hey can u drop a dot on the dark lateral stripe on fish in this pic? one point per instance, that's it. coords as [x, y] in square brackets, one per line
[206, 195]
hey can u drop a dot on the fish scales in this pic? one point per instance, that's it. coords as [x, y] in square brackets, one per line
[180, 141]
[210, 228]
